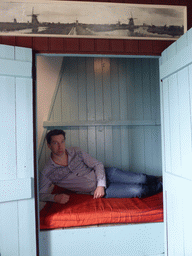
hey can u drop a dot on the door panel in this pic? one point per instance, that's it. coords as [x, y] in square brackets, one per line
[17, 203]
[176, 108]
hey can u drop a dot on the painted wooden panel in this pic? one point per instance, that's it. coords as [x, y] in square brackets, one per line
[177, 131]
[123, 240]
[16, 189]
[178, 219]
[17, 206]
[95, 92]
[177, 144]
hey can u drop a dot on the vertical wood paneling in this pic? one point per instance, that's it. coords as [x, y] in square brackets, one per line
[17, 218]
[100, 140]
[148, 150]
[154, 89]
[83, 140]
[130, 71]
[117, 146]
[178, 160]
[138, 90]
[175, 221]
[90, 89]
[185, 122]
[137, 150]
[66, 91]
[92, 141]
[23, 127]
[7, 120]
[125, 162]
[73, 91]
[74, 133]
[156, 153]
[166, 126]
[146, 90]
[187, 225]
[98, 68]
[9, 222]
[122, 89]
[109, 146]
[174, 124]
[115, 89]
[105, 89]
[188, 170]
[57, 110]
[82, 89]
[177, 150]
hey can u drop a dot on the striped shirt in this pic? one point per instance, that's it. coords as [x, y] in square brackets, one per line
[82, 174]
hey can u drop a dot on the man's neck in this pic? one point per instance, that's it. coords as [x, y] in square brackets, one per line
[60, 160]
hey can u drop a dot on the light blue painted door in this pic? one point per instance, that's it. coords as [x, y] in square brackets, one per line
[176, 116]
[17, 206]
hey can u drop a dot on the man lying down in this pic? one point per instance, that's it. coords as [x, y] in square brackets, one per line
[75, 170]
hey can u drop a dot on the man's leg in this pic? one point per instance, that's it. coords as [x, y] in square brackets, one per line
[129, 184]
[122, 190]
[115, 175]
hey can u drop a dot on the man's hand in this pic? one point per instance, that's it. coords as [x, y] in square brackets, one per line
[61, 198]
[99, 192]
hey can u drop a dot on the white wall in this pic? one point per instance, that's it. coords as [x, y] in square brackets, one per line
[48, 69]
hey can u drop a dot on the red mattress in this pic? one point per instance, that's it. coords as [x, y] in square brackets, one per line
[83, 210]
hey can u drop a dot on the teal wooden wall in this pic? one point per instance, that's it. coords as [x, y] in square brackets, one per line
[110, 107]
[176, 109]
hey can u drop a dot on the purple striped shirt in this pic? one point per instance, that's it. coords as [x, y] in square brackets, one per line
[82, 175]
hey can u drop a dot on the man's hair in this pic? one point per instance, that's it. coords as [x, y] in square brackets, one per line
[53, 133]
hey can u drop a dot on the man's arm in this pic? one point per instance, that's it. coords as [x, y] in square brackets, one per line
[45, 189]
[45, 192]
[100, 174]
[61, 198]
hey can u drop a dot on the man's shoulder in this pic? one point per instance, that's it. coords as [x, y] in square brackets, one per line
[73, 150]
[49, 164]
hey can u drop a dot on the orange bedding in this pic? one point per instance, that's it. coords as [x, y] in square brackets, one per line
[83, 210]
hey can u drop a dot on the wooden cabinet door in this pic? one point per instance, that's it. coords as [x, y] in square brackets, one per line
[176, 120]
[17, 202]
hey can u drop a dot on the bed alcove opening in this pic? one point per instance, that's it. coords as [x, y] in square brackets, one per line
[115, 97]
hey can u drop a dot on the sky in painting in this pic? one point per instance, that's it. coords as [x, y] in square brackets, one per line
[90, 12]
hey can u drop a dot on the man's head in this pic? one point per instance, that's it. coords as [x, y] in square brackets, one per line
[56, 142]
[53, 133]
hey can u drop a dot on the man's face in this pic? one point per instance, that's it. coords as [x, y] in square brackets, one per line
[57, 145]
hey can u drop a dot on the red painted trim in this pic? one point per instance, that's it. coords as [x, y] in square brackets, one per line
[132, 47]
[72, 45]
[24, 41]
[41, 44]
[146, 47]
[160, 46]
[87, 45]
[102, 45]
[9, 40]
[56, 44]
[117, 45]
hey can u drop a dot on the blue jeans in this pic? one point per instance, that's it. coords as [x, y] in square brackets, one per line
[129, 184]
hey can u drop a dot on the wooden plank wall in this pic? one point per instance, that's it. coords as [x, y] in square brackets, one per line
[113, 90]
[176, 91]
[17, 205]
[99, 46]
